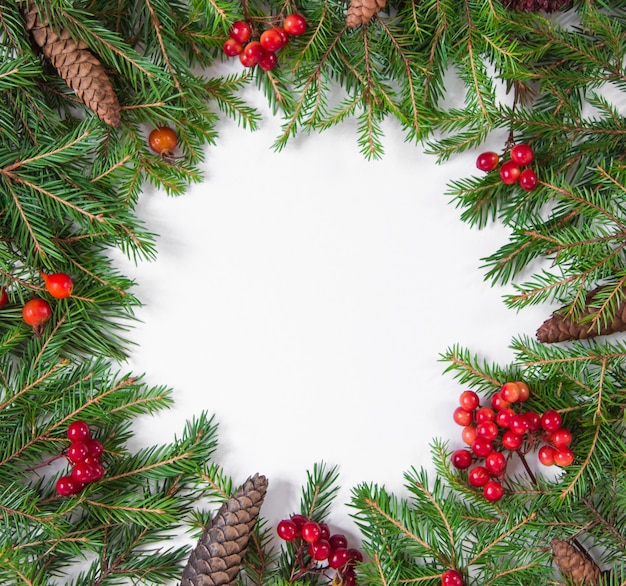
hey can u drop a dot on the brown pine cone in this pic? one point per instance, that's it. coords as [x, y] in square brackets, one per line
[218, 556]
[77, 65]
[576, 567]
[561, 328]
[536, 5]
[362, 11]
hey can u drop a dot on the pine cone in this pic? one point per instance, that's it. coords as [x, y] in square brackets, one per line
[576, 567]
[77, 65]
[536, 5]
[560, 328]
[217, 558]
[362, 11]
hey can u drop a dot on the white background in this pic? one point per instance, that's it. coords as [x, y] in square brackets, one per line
[304, 298]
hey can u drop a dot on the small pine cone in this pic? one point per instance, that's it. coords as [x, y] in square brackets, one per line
[216, 559]
[576, 567]
[536, 5]
[77, 65]
[560, 328]
[362, 11]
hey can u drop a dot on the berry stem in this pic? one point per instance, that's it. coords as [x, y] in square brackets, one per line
[46, 462]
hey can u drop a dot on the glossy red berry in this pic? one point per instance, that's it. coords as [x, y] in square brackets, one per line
[469, 400]
[522, 154]
[59, 285]
[268, 61]
[563, 457]
[78, 431]
[487, 430]
[528, 180]
[487, 161]
[77, 451]
[163, 140]
[512, 441]
[551, 420]
[83, 472]
[461, 459]
[498, 403]
[478, 476]
[493, 491]
[510, 392]
[546, 455]
[337, 541]
[319, 550]
[509, 172]
[94, 448]
[272, 39]
[451, 578]
[339, 557]
[325, 531]
[311, 531]
[68, 486]
[495, 463]
[504, 416]
[241, 31]
[462, 416]
[251, 54]
[4, 297]
[294, 25]
[561, 438]
[299, 520]
[481, 447]
[36, 312]
[534, 422]
[485, 414]
[524, 391]
[287, 530]
[519, 424]
[468, 435]
[232, 47]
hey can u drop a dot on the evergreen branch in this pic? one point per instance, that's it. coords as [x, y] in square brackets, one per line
[570, 486]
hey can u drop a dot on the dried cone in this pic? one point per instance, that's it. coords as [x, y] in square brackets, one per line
[536, 5]
[77, 65]
[576, 567]
[561, 328]
[362, 11]
[217, 558]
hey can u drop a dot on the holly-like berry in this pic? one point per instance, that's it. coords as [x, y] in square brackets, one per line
[510, 172]
[551, 420]
[338, 540]
[241, 31]
[273, 39]
[78, 431]
[339, 557]
[493, 491]
[561, 438]
[487, 430]
[461, 459]
[451, 578]
[481, 447]
[251, 54]
[59, 285]
[528, 180]
[287, 530]
[563, 457]
[68, 486]
[311, 531]
[294, 25]
[77, 451]
[545, 455]
[510, 392]
[36, 312]
[485, 414]
[512, 441]
[268, 61]
[232, 47]
[522, 154]
[319, 550]
[299, 520]
[487, 161]
[94, 448]
[462, 416]
[478, 476]
[469, 400]
[4, 297]
[163, 140]
[495, 462]
[498, 403]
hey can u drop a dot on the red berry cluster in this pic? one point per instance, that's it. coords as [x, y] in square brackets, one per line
[521, 155]
[451, 578]
[322, 546]
[489, 431]
[85, 456]
[262, 51]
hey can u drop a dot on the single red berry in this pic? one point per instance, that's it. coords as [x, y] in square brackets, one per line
[94, 448]
[451, 578]
[519, 424]
[299, 520]
[487, 430]
[528, 180]
[504, 416]
[163, 140]
[68, 486]
[4, 297]
[481, 447]
[319, 550]
[338, 541]
[268, 61]
[524, 391]
[287, 530]
[498, 403]
[83, 472]
[461, 459]
[561, 438]
[522, 154]
[534, 422]
[487, 161]
[512, 441]
[338, 558]
[462, 416]
[251, 54]
[59, 285]
[241, 31]
[563, 457]
[551, 420]
[356, 557]
[283, 35]
[485, 414]
[311, 531]
[349, 577]
[36, 312]
[495, 463]
[272, 40]
[478, 476]
[510, 172]
[325, 531]
[78, 431]
[232, 47]
[98, 472]
[493, 491]
[469, 400]
[77, 451]
[545, 454]
[510, 392]
[294, 25]
[468, 435]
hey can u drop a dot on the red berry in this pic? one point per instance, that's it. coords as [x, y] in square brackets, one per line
[268, 61]
[311, 531]
[519, 424]
[493, 491]
[241, 31]
[319, 550]
[232, 47]
[462, 416]
[325, 531]
[563, 457]
[283, 35]
[561, 438]
[77, 451]
[294, 25]
[469, 400]
[509, 172]
[522, 154]
[59, 285]
[498, 403]
[356, 556]
[338, 558]
[533, 419]
[461, 459]
[163, 140]
[468, 435]
[524, 391]
[337, 541]
[349, 578]
[478, 476]
[550, 420]
[272, 40]
[487, 430]
[83, 472]
[510, 392]
[4, 297]
[98, 472]
[511, 440]
[94, 448]
[487, 161]
[528, 180]
[495, 463]
[481, 447]
[485, 414]
[287, 530]
[67, 486]
[546, 455]
[251, 54]
[299, 520]
[36, 312]
[504, 416]
[451, 578]
[78, 431]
